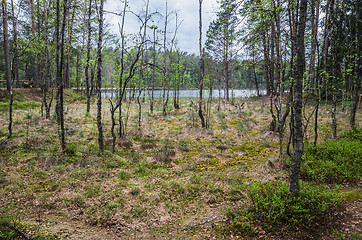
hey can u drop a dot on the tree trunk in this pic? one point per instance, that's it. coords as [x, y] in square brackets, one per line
[315, 21]
[326, 42]
[334, 76]
[142, 68]
[227, 69]
[46, 78]
[256, 82]
[99, 80]
[153, 68]
[15, 47]
[35, 77]
[266, 65]
[70, 29]
[164, 101]
[202, 68]
[87, 87]
[6, 47]
[9, 82]
[59, 63]
[298, 104]
[122, 85]
[357, 64]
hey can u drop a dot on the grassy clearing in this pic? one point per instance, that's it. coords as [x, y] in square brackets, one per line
[169, 179]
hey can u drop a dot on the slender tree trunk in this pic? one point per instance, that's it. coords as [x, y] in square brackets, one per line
[15, 47]
[6, 47]
[164, 101]
[330, 3]
[256, 82]
[77, 77]
[334, 77]
[178, 81]
[318, 105]
[298, 104]
[278, 63]
[315, 21]
[227, 69]
[59, 68]
[292, 24]
[357, 64]
[272, 78]
[92, 77]
[202, 66]
[142, 68]
[153, 69]
[121, 84]
[9, 82]
[35, 56]
[99, 80]
[46, 78]
[87, 81]
[266, 65]
[70, 28]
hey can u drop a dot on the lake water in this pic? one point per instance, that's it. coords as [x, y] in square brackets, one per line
[188, 93]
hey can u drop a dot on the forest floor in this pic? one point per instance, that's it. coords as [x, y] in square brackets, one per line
[170, 179]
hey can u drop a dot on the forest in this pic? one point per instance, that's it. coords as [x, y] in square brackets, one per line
[111, 134]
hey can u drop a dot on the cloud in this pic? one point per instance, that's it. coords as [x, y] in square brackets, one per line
[188, 13]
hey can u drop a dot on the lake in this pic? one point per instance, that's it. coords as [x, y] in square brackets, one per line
[188, 93]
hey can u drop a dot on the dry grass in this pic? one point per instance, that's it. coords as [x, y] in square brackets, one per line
[166, 180]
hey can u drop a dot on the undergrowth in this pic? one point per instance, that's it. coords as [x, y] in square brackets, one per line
[272, 207]
[335, 161]
[19, 105]
[8, 224]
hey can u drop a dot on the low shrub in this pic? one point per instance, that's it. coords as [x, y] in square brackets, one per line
[335, 161]
[273, 207]
[8, 224]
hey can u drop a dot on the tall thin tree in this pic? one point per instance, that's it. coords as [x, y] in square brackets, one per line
[202, 66]
[298, 104]
[99, 79]
[9, 83]
[59, 67]
[356, 81]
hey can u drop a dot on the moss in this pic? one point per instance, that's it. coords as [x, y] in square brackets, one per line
[353, 195]
[19, 105]
[243, 229]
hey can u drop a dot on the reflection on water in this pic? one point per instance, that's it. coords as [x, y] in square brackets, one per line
[188, 93]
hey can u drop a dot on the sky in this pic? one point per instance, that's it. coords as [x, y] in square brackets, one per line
[188, 14]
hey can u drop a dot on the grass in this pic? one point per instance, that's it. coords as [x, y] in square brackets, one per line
[168, 175]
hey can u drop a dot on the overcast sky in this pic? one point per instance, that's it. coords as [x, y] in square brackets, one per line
[188, 13]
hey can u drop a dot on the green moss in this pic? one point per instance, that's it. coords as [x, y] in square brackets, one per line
[240, 228]
[19, 105]
[353, 195]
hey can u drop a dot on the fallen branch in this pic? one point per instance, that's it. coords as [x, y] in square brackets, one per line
[23, 234]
